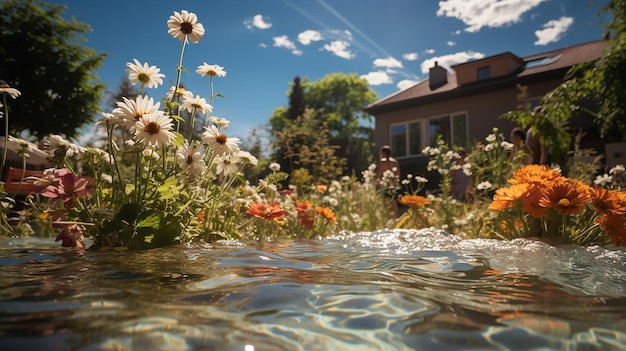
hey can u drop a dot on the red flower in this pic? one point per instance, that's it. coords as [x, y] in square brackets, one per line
[305, 213]
[71, 236]
[262, 210]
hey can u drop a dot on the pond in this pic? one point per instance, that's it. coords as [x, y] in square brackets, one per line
[383, 290]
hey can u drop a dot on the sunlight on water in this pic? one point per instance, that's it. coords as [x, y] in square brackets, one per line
[383, 290]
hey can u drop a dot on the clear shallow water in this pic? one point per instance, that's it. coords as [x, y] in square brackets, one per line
[387, 290]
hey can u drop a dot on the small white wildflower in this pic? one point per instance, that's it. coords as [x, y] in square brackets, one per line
[460, 221]
[603, 179]
[488, 147]
[490, 138]
[484, 185]
[617, 170]
[274, 167]
[506, 145]
[421, 179]
[467, 169]
[107, 178]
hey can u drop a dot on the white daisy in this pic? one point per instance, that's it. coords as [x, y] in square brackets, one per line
[219, 122]
[148, 76]
[227, 164]
[211, 70]
[190, 159]
[154, 129]
[181, 92]
[57, 144]
[220, 143]
[185, 26]
[200, 104]
[129, 111]
[6, 89]
[247, 157]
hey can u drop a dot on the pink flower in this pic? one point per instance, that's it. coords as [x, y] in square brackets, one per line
[62, 184]
[71, 236]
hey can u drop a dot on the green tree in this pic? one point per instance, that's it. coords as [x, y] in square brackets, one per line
[596, 89]
[338, 99]
[42, 56]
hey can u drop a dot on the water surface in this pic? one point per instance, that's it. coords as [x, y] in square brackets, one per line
[384, 290]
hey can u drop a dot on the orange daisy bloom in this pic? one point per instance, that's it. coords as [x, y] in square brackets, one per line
[413, 200]
[322, 188]
[530, 203]
[262, 210]
[505, 197]
[535, 174]
[607, 201]
[615, 228]
[564, 196]
[326, 213]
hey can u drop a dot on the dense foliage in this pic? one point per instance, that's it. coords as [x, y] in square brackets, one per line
[42, 55]
[338, 100]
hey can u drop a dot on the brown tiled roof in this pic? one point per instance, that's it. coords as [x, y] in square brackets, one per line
[569, 56]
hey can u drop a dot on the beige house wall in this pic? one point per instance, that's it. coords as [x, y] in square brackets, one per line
[483, 111]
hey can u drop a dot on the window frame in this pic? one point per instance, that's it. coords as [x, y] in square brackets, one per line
[424, 133]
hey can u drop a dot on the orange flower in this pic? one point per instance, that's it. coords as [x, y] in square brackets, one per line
[564, 196]
[305, 216]
[201, 216]
[322, 188]
[615, 228]
[414, 200]
[607, 201]
[505, 197]
[326, 213]
[535, 174]
[530, 203]
[262, 210]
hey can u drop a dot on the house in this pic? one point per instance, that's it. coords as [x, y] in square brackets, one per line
[464, 106]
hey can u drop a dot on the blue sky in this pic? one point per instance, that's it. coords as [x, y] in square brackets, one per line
[264, 44]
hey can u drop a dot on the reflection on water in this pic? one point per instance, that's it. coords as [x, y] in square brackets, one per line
[386, 290]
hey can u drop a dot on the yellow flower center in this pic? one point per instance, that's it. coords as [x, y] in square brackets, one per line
[564, 202]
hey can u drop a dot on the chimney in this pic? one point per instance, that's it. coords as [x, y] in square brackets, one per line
[438, 76]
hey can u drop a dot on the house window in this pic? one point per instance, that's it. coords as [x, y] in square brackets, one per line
[408, 139]
[484, 72]
[398, 140]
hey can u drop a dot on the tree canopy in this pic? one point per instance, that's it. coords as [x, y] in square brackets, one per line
[43, 56]
[596, 89]
[338, 100]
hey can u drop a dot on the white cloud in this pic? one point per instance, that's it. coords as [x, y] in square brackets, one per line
[257, 22]
[309, 36]
[388, 62]
[451, 43]
[377, 78]
[340, 48]
[449, 60]
[263, 45]
[405, 83]
[284, 42]
[553, 31]
[429, 51]
[477, 14]
[410, 56]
